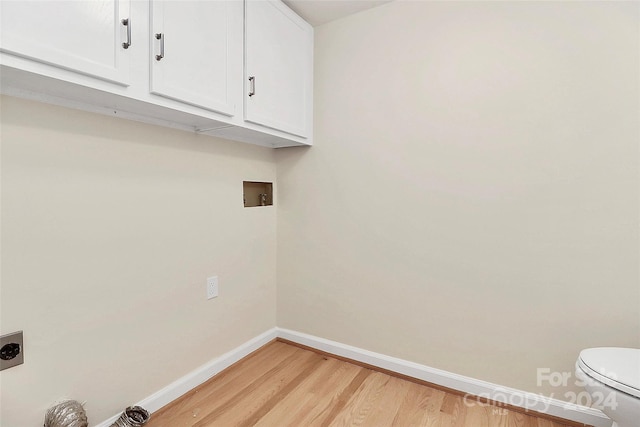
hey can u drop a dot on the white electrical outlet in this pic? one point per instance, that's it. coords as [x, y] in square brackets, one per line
[212, 287]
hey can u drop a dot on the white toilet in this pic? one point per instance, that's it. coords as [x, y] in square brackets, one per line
[611, 376]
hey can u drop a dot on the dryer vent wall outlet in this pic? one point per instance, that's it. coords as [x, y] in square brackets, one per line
[11, 350]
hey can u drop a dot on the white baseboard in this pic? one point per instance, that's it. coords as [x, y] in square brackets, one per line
[530, 401]
[474, 387]
[199, 375]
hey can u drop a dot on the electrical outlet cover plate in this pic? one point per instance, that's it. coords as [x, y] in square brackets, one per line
[11, 350]
[212, 287]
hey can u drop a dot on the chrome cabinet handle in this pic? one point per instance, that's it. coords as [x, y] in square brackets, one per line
[127, 24]
[160, 37]
[252, 82]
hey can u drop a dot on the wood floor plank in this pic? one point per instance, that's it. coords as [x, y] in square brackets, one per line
[313, 399]
[414, 408]
[386, 408]
[282, 393]
[453, 409]
[344, 398]
[283, 385]
[248, 399]
[189, 408]
[517, 419]
[479, 415]
[362, 402]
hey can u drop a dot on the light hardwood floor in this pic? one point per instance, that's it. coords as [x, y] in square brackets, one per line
[284, 385]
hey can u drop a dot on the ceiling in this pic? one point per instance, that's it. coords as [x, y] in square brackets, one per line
[318, 12]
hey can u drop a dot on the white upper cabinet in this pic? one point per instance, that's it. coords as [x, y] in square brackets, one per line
[185, 64]
[192, 52]
[278, 67]
[89, 37]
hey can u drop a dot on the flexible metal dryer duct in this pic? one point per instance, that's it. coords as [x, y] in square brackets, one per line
[68, 413]
[133, 416]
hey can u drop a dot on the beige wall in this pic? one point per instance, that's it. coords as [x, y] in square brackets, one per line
[471, 202]
[109, 231]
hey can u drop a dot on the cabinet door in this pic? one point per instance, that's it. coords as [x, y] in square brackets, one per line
[84, 36]
[278, 67]
[192, 52]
